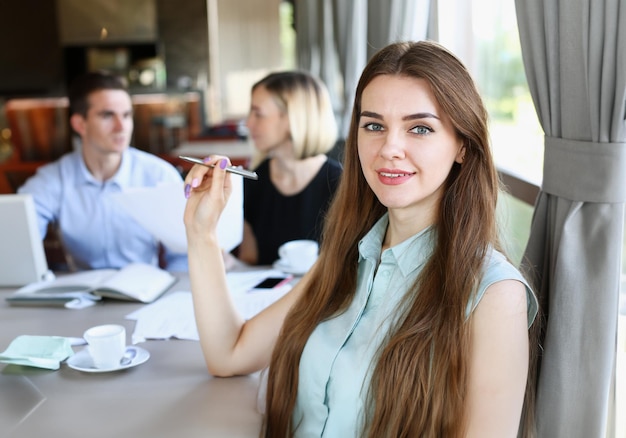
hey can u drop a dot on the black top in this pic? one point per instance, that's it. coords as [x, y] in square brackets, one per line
[276, 218]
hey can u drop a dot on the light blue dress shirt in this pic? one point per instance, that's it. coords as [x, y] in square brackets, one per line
[96, 231]
[335, 364]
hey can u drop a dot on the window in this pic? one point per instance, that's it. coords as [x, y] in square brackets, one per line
[484, 34]
[287, 35]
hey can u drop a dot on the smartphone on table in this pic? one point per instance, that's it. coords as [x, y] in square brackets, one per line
[272, 282]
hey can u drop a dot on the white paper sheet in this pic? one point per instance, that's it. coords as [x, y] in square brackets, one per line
[160, 210]
[168, 317]
[172, 315]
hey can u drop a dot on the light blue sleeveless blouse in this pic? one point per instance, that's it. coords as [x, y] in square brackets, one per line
[335, 363]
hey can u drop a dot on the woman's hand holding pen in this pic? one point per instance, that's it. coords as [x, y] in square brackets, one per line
[207, 190]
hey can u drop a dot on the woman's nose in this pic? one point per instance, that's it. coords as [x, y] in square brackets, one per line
[392, 147]
[249, 121]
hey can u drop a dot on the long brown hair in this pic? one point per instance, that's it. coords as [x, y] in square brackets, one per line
[419, 381]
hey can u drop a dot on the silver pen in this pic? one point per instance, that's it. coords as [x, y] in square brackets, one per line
[233, 169]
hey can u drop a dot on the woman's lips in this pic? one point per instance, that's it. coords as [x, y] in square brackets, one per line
[393, 176]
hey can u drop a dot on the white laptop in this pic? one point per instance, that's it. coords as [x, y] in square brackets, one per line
[22, 256]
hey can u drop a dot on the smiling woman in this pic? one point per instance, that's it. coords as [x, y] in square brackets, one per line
[412, 322]
[406, 146]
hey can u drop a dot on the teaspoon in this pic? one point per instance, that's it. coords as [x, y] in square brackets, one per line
[128, 357]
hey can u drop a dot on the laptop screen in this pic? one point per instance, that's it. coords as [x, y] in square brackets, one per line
[22, 256]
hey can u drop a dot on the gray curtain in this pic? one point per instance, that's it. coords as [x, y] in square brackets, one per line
[575, 58]
[336, 38]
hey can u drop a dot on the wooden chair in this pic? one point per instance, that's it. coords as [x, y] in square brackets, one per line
[40, 133]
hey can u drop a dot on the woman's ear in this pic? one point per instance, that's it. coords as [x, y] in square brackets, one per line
[460, 156]
[78, 124]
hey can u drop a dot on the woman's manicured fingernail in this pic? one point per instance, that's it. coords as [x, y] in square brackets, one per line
[223, 163]
[195, 182]
[187, 190]
[206, 159]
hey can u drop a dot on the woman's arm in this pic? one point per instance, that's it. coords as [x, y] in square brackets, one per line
[499, 361]
[231, 346]
[248, 251]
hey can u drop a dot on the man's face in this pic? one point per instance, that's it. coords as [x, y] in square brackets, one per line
[108, 126]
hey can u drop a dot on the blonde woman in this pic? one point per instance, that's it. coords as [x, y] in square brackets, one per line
[292, 126]
[412, 322]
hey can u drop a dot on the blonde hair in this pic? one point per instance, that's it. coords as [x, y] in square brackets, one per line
[306, 101]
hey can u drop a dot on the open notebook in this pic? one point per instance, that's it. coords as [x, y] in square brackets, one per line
[139, 282]
[22, 256]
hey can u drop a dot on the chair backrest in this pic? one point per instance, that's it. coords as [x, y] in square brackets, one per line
[40, 128]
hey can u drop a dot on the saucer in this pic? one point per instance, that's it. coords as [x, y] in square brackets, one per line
[284, 266]
[82, 361]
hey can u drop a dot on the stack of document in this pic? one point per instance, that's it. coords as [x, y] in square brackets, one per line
[172, 316]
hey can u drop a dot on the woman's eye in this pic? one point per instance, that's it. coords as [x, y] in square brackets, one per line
[422, 130]
[373, 126]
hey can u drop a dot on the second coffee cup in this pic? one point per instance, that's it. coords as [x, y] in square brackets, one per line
[299, 255]
[107, 344]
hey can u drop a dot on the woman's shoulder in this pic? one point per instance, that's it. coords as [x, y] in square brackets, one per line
[498, 268]
[330, 170]
[327, 177]
[263, 167]
[263, 181]
[333, 166]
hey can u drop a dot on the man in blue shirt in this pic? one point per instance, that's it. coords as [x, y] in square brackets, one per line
[75, 192]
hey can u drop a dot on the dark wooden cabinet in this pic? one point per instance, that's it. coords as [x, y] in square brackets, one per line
[30, 53]
[40, 130]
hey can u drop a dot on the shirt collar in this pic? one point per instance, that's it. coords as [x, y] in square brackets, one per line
[409, 254]
[120, 179]
[372, 242]
[414, 251]
[123, 174]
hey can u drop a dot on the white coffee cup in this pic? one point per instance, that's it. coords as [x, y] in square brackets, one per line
[107, 344]
[299, 255]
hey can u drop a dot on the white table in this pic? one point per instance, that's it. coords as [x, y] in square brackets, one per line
[171, 395]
